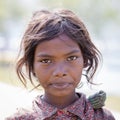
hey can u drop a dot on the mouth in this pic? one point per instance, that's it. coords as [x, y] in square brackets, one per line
[60, 85]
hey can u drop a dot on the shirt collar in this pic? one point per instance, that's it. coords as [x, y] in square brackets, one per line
[42, 108]
[45, 110]
[78, 107]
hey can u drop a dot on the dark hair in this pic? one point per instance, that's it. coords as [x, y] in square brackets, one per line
[46, 25]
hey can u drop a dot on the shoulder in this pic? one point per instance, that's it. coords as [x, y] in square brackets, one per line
[22, 114]
[94, 108]
[104, 114]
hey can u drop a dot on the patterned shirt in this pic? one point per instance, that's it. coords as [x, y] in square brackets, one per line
[79, 110]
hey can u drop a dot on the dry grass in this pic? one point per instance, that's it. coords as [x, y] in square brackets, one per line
[113, 103]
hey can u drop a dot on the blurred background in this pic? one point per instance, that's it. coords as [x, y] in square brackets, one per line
[102, 19]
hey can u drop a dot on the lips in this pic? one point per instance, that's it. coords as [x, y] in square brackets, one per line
[60, 85]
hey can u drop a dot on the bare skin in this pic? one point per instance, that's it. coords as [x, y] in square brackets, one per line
[58, 66]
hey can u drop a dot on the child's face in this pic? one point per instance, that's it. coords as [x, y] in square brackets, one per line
[58, 65]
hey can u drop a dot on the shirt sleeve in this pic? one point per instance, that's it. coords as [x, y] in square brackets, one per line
[103, 114]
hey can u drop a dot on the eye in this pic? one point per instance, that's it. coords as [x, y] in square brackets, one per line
[46, 61]
[71, 58]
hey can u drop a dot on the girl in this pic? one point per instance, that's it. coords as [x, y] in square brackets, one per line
[57, 50]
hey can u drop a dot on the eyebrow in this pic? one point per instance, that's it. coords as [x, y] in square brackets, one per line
[67, 54]
[72, 52]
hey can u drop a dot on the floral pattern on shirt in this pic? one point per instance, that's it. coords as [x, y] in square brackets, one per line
[79, 110]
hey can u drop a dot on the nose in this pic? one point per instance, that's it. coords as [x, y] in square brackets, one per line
[60, 70]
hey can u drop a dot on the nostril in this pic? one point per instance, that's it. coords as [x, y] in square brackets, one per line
[64, 74]
[60, 75]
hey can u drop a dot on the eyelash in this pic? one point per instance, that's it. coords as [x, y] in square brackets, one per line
[48, 61]
[45, 61]
[72, 58]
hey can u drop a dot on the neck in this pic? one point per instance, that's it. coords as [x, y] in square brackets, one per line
[62, 101]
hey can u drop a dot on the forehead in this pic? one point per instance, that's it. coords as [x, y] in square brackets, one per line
[58, 45]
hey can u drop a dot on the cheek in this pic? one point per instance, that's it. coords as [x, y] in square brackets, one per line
[79, 65]
[41, 74]
[78, 75]
[77, 78]
[77, 72]
[41, 78]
